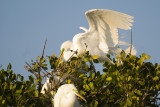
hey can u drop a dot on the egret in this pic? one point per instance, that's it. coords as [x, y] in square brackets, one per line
[127, 51]
[46, 87]
[68, 47]
[133, 51]
[66, 96]
[101, 35]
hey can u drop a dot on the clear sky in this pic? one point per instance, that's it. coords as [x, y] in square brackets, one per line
[25, 24]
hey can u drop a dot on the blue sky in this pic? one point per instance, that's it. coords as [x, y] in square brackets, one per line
[25, 24]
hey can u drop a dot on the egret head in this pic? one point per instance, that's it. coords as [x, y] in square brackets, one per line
[66, 96]
[71, 90]
[67, 45]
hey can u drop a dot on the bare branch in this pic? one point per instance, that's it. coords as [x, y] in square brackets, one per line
[44, 48]
[131, 42]
[30, 69]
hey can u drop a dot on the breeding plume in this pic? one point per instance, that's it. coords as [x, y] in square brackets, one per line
[102, 35]
[66, 96]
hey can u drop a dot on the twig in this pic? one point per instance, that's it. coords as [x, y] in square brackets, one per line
[92, 66]
[47, 73]
[131, 42]
[30, 69]
[68, 60]
[39, 82]
[44, 48]
[155, 97]
[39, 71]
[60, 58]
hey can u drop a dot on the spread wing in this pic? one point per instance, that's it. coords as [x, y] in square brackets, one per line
[105, 24]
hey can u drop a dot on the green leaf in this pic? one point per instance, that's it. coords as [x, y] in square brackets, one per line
[96, 103]
[82, 75]
[87, 88]
[129, 103]
[91, 85]
[104, 75]
[155, 78]
[43, 65]
[38, 58]
[157, 87]
[95, 57]
[68, 81]
[129, 78]
[134, 97]
[141, 82]
[3, 101]
[31, 78]
[98, 74]
[9, 67]
[82, 92]
[86, 59]
[93, 75]
[73, 58]
[138, 92]
[105, 70]
[18, 91]
[95, 61]
[146, 56]
[20, 77]
[109, 78]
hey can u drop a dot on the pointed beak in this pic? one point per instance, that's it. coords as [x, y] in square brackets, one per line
[80, 96]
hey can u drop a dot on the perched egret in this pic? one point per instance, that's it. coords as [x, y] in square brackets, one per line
[66, 96]
[127, 52]
[133, 51]
[101, 35]
[68, 46]
[46, 87]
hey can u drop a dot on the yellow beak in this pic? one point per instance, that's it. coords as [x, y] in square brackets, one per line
[81, 96]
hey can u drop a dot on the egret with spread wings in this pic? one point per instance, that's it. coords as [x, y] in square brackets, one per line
[102, 34]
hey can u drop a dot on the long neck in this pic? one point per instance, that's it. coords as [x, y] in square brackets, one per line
[69, 100]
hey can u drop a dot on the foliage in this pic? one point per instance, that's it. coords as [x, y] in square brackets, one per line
[17, 92]
[133, 82]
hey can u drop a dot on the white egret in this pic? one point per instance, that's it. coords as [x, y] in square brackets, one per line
[117, 50]
[133, 51]
[127, 52]
[66, 96]
[46, 87]
[102, 33]
[68, 46]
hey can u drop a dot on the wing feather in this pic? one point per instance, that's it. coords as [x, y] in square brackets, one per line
[106, 23]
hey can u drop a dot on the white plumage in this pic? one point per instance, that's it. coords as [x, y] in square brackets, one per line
[68, 46]
[66, 96]
[46, 87]
[133, 50]
[102, 34]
